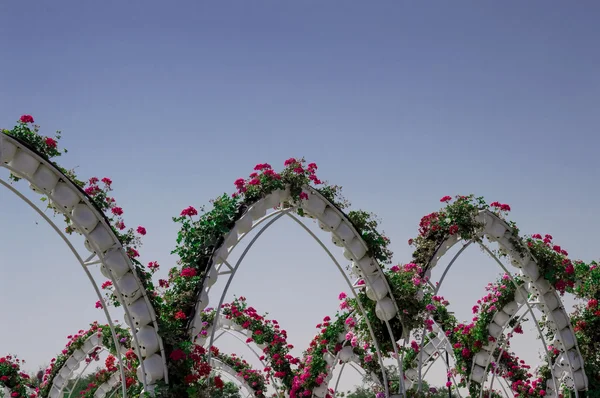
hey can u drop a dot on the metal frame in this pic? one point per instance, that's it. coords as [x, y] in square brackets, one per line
[353, 287]
[83, 266]
[529, 309]
[235, 335]
[93, 245]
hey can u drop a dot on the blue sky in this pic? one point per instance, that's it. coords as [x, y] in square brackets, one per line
[399, 102]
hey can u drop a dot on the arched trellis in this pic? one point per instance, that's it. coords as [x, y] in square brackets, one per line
[222, 363]
[546, 299]
[237, 332]
[377, 287]
[67, 198]
[330, 219]
[224, 368]
[90, 345]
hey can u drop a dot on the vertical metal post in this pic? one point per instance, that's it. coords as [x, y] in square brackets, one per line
[448, 362]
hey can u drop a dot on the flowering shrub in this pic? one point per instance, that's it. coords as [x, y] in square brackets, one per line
[13, 378]
[264, 332]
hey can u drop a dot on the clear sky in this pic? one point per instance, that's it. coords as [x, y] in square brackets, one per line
[399, 102]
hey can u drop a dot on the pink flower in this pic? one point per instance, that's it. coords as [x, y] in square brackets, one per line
[50, 142]
[239, 183]
[107, 181]
[395, 268]
[117, 211]
[141, 230]
[303, 196]
[99, 304]
[290, 161]
[342, 296]
[189, 211]
[446, 199]
[188, 272]
[26, 119]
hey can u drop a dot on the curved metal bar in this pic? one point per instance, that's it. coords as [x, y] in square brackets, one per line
[102, 221]
[355, 367]
[337, 383]
[504, 389]
[243, 384]
[254, 225]
[530, 310]
[362, 310]
[81, 375]
[436, 290]
[235, 335]
[81, 262]
[278, 215]
[232, 275]
[502, 350]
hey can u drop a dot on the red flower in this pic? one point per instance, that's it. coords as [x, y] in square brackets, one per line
[303, 196]
[141, 230]
[453, 229]
[117, 211]
[50, 142]
[177, 355]
[190, 211]
[188, 272]
[180, 315]
[99, 304]
[219, 383]
[446, 199]
[107, 181]
[262, 166]
[26, 119]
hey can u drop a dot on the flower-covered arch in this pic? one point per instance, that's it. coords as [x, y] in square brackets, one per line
[294, 192]
[470, 219]
[83, 347]
[28, 156]
[386, 307]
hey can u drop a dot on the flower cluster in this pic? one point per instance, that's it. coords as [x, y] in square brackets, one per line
[29, 134]
[76, 341]
[14, 379]
[253, 377]
[266, 333]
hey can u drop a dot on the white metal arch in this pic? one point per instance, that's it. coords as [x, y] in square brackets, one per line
[93, 342]
[330, 219]
[496, 229]
[221, 366]
[66, 197]
[236, 334]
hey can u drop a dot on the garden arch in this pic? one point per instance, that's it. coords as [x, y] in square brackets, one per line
[68, 199]
[330, 219]
[534, 285]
